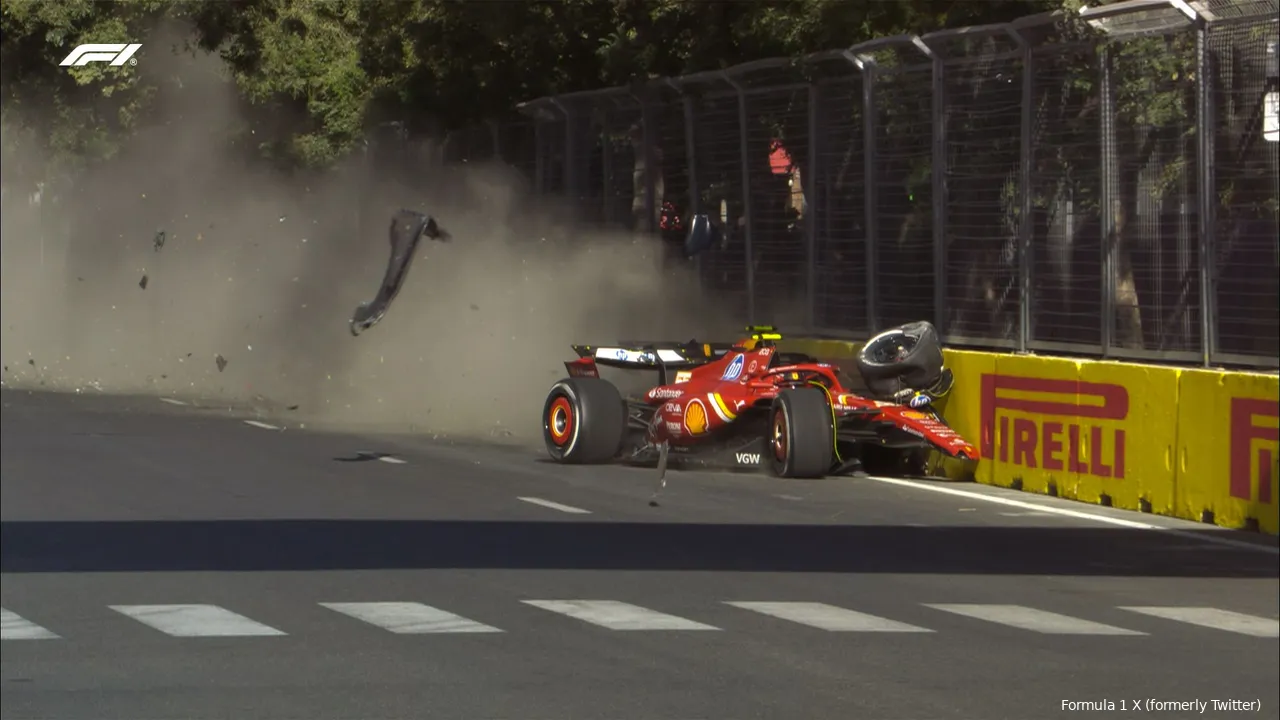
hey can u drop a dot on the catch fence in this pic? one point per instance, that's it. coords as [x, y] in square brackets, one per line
[1104, 183]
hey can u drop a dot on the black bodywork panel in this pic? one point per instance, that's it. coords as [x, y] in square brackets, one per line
[407, 229]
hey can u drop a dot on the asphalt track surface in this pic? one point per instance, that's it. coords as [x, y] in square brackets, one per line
[113, 504]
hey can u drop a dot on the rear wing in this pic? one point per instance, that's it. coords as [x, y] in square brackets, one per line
[662, 356]
[659, 356]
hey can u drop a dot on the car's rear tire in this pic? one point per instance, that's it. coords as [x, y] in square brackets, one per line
[584, 421]
[801, 441]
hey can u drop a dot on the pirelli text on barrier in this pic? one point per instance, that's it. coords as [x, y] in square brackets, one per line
[1065, 425]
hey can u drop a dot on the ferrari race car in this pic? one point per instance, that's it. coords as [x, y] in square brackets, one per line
[748, 405]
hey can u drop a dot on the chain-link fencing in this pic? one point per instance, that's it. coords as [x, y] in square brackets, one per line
[1103, 183]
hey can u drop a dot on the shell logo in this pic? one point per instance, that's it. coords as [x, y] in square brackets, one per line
[695, 417]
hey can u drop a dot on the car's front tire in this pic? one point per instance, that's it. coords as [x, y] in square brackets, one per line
[801, 441]
[584, 421]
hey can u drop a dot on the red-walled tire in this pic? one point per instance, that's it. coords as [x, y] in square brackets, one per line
[584, 421]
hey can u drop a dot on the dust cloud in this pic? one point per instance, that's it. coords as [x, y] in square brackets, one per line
[264, 272]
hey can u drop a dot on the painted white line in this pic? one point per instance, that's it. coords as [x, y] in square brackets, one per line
[262, 425]
[392, 460]
[171, 401]
[409, 618]
[1078, 514]
[827, 617]
[1215, 619]
[618, 615]
[1041, 621]
[196, 621]
[15, 627]
[555, 505]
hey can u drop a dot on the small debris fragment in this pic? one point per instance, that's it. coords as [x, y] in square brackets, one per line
[158, 242]
[475, 306]
[221, 361]
[31, 362]
[292, 407]
[143, 282]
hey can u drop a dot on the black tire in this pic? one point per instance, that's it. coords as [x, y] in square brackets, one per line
[584, 421]
[885, 373]
[801, 440]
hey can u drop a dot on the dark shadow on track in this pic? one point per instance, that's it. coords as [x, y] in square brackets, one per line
[289, 545]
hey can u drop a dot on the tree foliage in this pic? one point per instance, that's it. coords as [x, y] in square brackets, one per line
[318, 73]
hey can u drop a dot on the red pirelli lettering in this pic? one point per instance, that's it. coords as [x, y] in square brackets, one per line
[1054, 444]
[1244, 432]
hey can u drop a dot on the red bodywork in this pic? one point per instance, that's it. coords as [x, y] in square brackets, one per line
[706, 398]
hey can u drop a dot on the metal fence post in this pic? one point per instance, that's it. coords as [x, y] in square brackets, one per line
[691, 153]
[539, 156]
[572, 180]
[606, 164]
[809, 196]
[1205, 196]
[867, 66]
[495, 140]
[650, 181]
[1107, 201]
[938, 178]
[744, 148]
[691, 160]
[1026, 168]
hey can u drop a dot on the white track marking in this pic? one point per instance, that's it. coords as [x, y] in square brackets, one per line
[370, 455]
[1215, 619]
[262, 425]
[618, 615]
[1041, 621]
[196, 621]
[1078, 514]
[827, 617]
[409, 618]
[555, 506]
[171, 401]
[15, 627]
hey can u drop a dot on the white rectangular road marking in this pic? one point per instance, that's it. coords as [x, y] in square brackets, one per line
[171, 401]
[1040, 621]
[257, 424]
[555, 505]
[827, 617]
[618, 615]
[196, 621]
[409, 618]
[15, 627]
[1215, 619]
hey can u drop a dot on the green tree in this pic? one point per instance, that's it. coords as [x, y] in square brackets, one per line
[79, 113]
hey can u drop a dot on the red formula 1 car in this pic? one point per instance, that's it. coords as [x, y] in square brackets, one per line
[746, 405]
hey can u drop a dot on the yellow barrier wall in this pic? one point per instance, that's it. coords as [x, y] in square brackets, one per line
[1196, 444]
[1228, 447]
